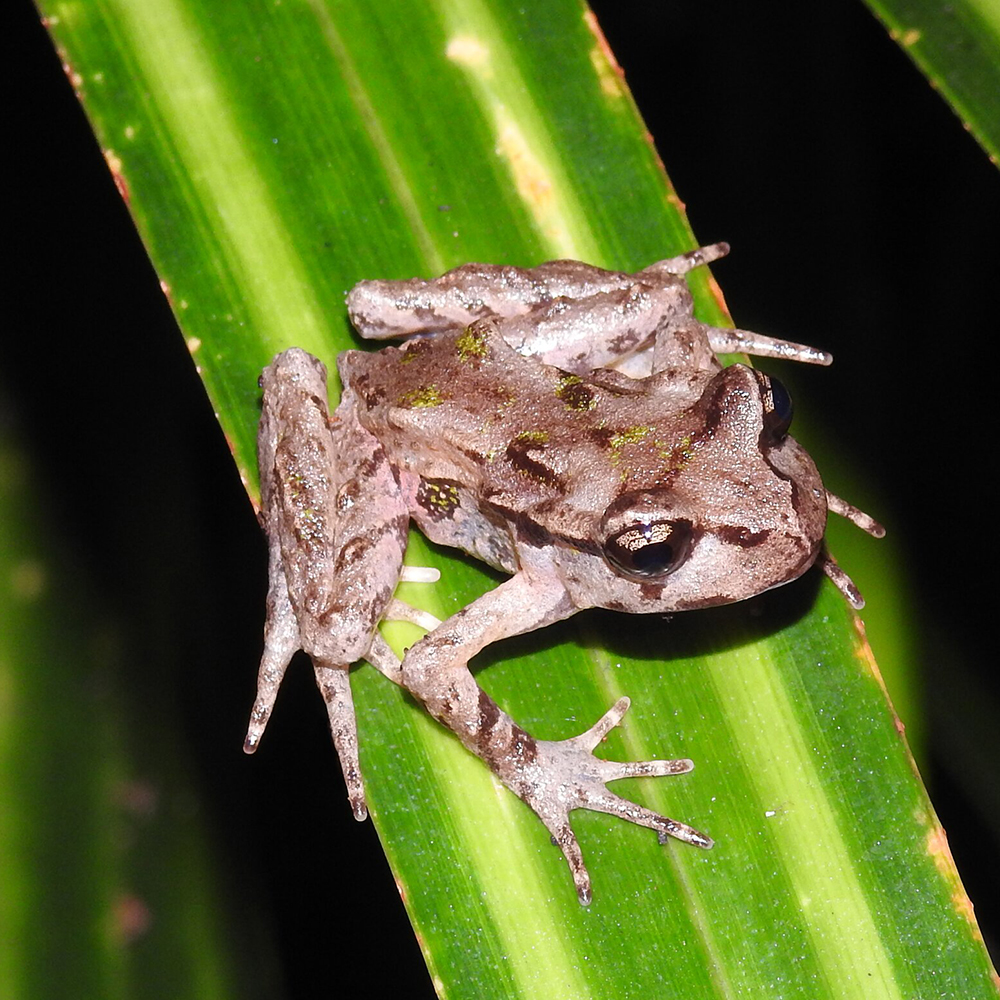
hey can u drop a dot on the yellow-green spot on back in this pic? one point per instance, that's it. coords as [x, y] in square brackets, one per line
[676, 455]
[574, 393]
[630, 435]
[533, 437]
[471, 345]
[427, 395]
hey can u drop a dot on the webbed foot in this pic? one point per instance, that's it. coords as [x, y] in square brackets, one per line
[555, 778]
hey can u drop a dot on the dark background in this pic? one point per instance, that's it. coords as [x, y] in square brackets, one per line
[858, 208]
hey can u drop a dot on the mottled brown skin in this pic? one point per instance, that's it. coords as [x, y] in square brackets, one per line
[666, 485]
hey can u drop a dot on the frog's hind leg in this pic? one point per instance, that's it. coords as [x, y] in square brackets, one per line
[614, 323]
[589, 784]
[724, 340]
[686, 261]
[553, 777]
[337, 523]
[281, 642]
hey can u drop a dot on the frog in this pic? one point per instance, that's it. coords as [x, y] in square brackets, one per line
[570, 426]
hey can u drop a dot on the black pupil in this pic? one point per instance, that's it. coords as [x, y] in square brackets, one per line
[780, 415]
[649, 550]
[653, 558]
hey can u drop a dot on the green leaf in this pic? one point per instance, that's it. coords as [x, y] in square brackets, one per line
[957, 45]
[273, 154]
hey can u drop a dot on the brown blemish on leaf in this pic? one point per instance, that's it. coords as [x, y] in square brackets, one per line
[469, 51]
[674, 199]
[115, 166]
[401, 889]
[532, 180]
[131, 918]
[863, 651]
[716, 292]
[937, 847]
[76, 81]
[609, 73]
[140, 799]
[905, 38]
[28, 580]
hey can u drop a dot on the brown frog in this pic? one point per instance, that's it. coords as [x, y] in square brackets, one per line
[568, 425]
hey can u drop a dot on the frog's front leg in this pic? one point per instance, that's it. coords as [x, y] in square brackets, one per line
[553, 777]
[337, 524]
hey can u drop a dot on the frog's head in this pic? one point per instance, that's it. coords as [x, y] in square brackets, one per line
[739, 510]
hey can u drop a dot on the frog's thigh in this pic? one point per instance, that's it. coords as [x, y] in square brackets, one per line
[436, 670]
[363, 531]
[366, 542]
[598, 330]
[380, 309]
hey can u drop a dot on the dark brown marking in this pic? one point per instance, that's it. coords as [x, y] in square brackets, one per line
[353, 550]
[601, 436]
[518, 455]
[474, 456]
[348, 494]
[651, 591]
[416, 346]
[522, 745]
[587, 545]
[439, 497]
[426, 314]
[742, 536]
[530, 532]
[371, 465]
[373, 397]
[615, 383]
[319, 404]
[624, 341]
[489, 714]
[576, 396]
[713, 414]
[381, 600]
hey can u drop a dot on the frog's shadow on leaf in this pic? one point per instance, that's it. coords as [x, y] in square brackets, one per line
[660, 638]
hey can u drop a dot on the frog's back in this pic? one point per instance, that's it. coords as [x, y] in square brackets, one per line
[464, 405]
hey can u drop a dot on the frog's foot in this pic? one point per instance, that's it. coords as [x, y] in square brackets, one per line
[555, 778]
[688, 261]
[335, 686]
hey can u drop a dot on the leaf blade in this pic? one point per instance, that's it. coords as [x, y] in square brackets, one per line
[706, 952]
[957, 46]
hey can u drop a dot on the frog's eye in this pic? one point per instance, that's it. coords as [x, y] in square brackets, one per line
[646, 551]
[777, 407]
